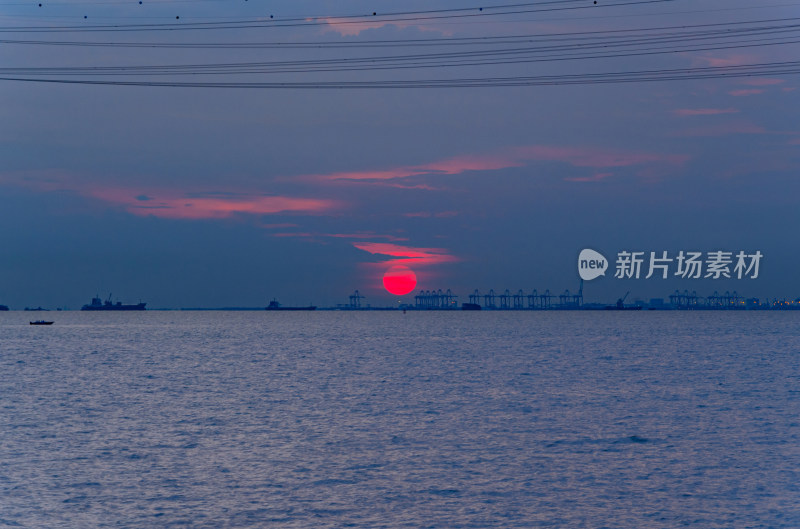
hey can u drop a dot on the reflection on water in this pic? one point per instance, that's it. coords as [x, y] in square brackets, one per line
[376, 419]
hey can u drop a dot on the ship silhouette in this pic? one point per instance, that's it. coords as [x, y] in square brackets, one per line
[99, 304]
[274, 305]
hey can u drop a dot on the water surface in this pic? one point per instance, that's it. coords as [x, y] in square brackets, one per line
[374, 419]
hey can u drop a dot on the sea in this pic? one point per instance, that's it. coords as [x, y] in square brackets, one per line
[651, 419]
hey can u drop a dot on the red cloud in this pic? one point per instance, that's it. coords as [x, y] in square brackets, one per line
[704, 111]
[405, 255]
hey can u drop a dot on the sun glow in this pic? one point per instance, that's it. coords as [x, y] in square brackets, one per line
[399, 280]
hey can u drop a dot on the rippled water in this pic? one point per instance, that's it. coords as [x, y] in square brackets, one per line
[329, 419]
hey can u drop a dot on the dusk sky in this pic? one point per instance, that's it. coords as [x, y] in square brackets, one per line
[362, 142]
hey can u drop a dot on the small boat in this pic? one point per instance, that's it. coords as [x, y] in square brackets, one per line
[41, 322]
[470, 306]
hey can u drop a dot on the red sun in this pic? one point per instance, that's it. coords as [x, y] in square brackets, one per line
[399, 280]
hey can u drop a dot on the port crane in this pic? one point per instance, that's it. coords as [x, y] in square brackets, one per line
[355, 300]
[621, 301]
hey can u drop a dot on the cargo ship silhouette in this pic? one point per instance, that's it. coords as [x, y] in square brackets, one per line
[274, 305]
[98, 304]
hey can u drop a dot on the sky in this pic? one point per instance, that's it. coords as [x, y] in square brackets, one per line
[225, 153]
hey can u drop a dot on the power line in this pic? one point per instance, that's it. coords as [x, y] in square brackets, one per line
[560, 49]
[445, 52]
[683, 74]
[333, 20]
[725, 28]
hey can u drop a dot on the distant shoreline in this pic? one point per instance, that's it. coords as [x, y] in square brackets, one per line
[413, 309]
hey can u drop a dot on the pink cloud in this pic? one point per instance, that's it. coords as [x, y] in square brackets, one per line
[598, 158]
[418, 214]
[384, 183]
[349, 27]
[459, 164]
[451, 166]
[320, 236]
[281, 225]
[704, 111]
[594, 178]
[172, 203]
[401, 172]
[746, 92]
[762, 82]
[417, 186]
[406, 255]
[365, 235]
[731, 60]
[725, 129]
[511, 157]
[428, 214]
[299, 234]
[177, 205]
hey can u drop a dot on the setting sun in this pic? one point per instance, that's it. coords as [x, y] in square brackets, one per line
[399, 280]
